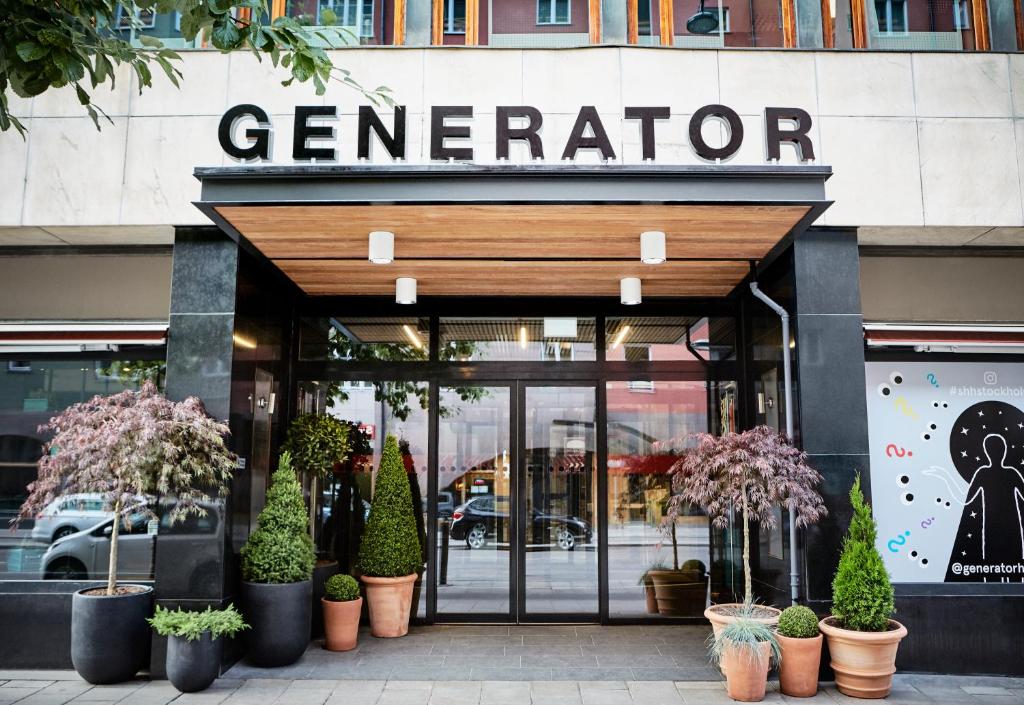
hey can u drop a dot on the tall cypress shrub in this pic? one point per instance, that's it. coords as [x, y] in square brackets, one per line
[862, 596]
[390, 547]
[280, 550]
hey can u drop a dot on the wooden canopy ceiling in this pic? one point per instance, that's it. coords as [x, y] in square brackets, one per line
[515, 250]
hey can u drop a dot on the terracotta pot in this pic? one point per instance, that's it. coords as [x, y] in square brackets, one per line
[719, 620]
[341, 623]
[798, 671]
[746, 673]
[679, 592]
[390, 601]
[652, 601]
[863, 661]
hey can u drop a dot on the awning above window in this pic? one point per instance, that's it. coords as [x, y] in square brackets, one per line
[946, 338]
[28, 338]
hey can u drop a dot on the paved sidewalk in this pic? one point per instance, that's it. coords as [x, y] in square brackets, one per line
[60, 687]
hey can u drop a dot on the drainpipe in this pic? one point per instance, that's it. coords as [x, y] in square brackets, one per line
[787, 385]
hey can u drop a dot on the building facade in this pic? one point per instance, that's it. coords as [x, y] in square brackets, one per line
[864, 167]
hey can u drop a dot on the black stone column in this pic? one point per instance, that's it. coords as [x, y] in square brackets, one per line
[830, 389]
[190, 571]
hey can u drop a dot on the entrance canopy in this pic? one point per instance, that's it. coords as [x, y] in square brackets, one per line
[464, 230]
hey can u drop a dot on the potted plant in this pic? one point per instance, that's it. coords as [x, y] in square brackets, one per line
[755, 471]
[342, 605]
[194, 643]
[127, 446]
[318, 444]
[647, 582]
[800, 643]
[745, 649]
[390, 553]
[862, 637]
[277, 566]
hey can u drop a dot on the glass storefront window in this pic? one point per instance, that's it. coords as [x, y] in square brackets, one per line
[636, 339]
[654, 570]
[342, 500]
[364, 339]
[31, 392]
[563, 339]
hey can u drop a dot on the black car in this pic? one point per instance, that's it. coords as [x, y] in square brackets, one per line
[482, 519]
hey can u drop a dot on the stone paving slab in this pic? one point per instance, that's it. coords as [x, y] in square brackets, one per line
[32, 688]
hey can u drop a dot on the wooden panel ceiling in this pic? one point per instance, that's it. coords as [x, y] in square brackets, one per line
[515, 250]
[513, 278]
[515, 231]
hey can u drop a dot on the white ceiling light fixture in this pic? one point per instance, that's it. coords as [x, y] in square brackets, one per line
[405, 290]
[652, 247]
[382, 247]
[629, 291]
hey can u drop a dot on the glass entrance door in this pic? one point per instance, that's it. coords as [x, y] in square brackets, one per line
[558, 555]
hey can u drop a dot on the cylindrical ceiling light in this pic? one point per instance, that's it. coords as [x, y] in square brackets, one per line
[652, 247]
[629, 291]
[405, 290]
[382, 247]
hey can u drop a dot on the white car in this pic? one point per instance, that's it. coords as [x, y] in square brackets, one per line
[68, 515]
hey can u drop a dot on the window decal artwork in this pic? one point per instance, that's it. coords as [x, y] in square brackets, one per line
[947, 469]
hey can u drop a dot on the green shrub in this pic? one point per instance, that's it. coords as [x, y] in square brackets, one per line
[192, 625]
[317, 442]
[694, 564]
[341, 588]
[280, 550]
[862, 596]
[390, 547]
[798, 622]
[746, 635]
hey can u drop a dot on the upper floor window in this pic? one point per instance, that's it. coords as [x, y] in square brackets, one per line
[144, 19]
[892, 16]
[553, 12]
[455, 16]
[961, 14]
[354, 14]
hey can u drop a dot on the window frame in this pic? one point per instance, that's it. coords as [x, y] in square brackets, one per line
[889, 14]
[450, 18]
[552, 20]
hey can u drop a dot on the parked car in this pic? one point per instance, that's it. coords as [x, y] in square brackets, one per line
[85, 555]
[68, 515]
[484, 518]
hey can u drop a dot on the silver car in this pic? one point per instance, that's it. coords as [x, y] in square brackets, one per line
[193, 543]
[68, 515]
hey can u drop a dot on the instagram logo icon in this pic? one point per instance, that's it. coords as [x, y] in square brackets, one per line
[990, 378]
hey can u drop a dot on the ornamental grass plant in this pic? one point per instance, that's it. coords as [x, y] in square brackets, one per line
[390, 547]
[863, 598]
[280, 550]
[191, 625]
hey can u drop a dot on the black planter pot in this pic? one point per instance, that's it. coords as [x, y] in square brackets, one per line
[110, 637]
[321, 573]
[193, 665]
[279, 614]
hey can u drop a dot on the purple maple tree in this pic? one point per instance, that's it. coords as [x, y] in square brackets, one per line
[131, 444]
[756, 470]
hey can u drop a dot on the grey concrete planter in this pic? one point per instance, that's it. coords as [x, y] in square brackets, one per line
[193, 665]
[109, 635]
[279, 614]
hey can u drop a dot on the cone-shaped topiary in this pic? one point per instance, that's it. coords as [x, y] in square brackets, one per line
[390, 547]
[280, 550]
[862, 596]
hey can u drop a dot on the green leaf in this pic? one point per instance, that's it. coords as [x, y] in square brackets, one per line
[148, 41]
[226, 35]
[83, 97]
[54, 38]
[30, 51]
[220, 7]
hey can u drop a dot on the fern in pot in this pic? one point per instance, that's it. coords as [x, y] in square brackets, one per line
[745, 649]
[194, 643]
[277, 570]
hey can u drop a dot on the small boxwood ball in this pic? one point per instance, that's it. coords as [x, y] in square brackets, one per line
[341, 588]
[798, 622]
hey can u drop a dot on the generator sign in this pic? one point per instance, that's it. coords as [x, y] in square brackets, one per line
[246, 133]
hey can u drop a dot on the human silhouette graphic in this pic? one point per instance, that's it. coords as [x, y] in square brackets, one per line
[987, 448]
